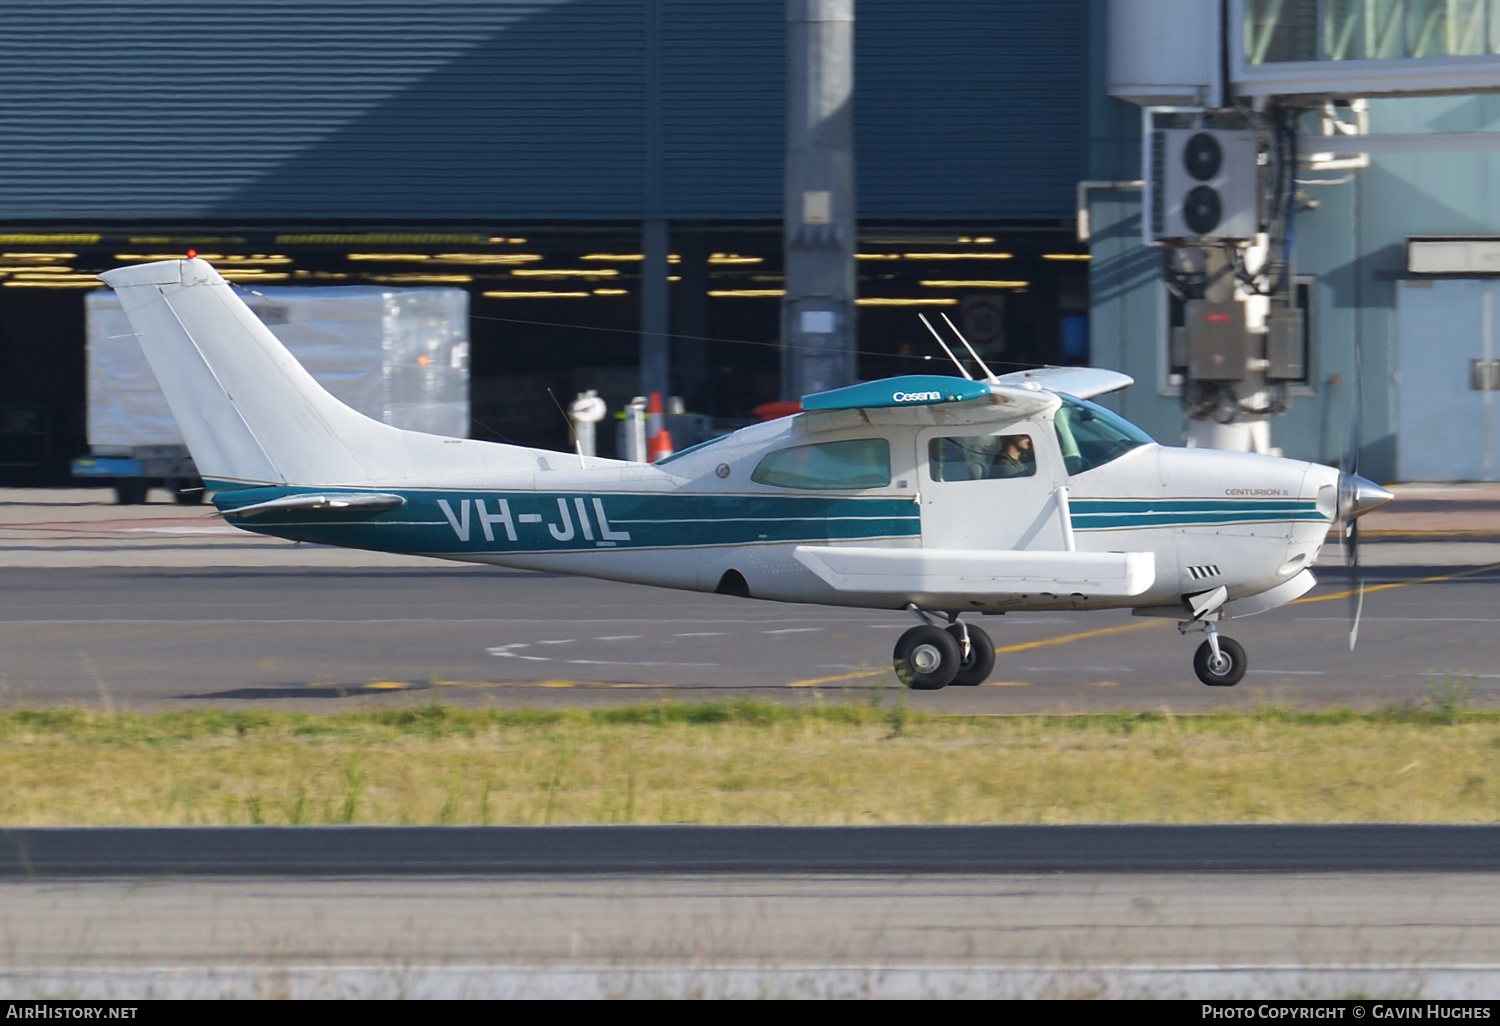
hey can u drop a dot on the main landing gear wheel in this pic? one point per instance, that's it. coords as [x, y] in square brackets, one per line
[1224, 672]
[976, 668]
[927, 658]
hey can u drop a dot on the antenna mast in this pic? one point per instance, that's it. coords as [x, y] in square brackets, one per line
[989, 375]
[961, 369]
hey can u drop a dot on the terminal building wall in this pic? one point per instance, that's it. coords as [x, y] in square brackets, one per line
[1354, 246]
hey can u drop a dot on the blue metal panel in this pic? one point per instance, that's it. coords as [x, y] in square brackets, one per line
[724, 108]
[388, 110]
[341, 109]
[969, 108]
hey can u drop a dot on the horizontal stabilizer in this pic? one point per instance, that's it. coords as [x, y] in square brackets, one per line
[363, 502]
[980, 572]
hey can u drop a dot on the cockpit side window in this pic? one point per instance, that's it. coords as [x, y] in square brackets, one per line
[1091, 436]
[981, 457]
[855, 463]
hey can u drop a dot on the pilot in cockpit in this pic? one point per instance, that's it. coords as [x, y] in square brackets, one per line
[1016, 458]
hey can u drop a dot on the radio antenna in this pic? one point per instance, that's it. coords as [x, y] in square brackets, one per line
[989, 374]
[572, 431]
[961, 369]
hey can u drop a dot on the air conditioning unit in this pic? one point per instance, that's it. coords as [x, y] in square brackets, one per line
[1201, 185]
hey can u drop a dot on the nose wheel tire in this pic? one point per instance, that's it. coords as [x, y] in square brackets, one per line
[927, 658]
[976, 669]
[1227, 671]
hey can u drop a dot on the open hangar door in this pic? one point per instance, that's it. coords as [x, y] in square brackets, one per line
[558, 307]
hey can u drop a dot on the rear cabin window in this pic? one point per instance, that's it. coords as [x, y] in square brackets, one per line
[856, 463]
[981, 457]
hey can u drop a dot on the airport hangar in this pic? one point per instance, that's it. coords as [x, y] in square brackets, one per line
[521, 150]
[530, 152]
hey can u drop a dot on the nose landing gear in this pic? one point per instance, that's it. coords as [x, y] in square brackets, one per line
[1219, 662]
[931, 656]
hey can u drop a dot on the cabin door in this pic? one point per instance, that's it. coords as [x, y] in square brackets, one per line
[990, 490]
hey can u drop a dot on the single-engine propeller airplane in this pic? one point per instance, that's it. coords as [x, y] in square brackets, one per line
[940, 495]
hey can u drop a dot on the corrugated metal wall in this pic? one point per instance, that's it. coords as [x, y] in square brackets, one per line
[966, 107]
[372, 110]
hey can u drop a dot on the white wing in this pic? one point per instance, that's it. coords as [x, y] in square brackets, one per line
[1084, 382]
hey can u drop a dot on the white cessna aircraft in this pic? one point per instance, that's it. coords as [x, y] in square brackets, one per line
[935, 494]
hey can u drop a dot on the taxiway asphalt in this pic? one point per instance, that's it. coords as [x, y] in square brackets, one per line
[163, 606]
[332, 637]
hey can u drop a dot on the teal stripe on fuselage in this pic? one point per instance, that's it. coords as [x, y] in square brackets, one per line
[1136, 514]
[474, 522]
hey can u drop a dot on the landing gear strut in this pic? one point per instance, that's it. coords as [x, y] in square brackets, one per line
[932, 656]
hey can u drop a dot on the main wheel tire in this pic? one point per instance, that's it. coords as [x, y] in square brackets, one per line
[1231, 668]
[926, 658]
[976, 669]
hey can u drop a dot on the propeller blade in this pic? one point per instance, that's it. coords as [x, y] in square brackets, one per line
[1356, 581]
[1351, 456]
[1356, 497]
[1359, 608]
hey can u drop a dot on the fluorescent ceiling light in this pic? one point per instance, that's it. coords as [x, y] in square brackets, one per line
[958, 256]
[952, 283]
[417, 278]
[536, 295]
[548, 272]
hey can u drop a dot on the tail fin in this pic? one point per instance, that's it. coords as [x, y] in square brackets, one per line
[251, 414]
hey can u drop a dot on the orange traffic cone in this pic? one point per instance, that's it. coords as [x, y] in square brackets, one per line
[658, 438]
[660, 446]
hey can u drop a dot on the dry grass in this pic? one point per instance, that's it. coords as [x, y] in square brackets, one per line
[745, 762]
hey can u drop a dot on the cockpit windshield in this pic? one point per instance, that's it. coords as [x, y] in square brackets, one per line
[1091, 436]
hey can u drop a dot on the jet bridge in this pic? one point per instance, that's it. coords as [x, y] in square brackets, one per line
[1236, 96]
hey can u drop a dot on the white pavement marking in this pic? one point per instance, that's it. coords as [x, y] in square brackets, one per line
[793, 630]
[703, 634]
[619, 637]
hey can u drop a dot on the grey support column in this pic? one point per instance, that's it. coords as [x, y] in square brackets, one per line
[690, 319]
[656, 355]
[817, 314]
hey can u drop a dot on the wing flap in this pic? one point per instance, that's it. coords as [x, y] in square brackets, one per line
[980, 572]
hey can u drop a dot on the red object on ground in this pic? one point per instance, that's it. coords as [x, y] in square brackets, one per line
[780, 408]
[658, 438]
[659, 445]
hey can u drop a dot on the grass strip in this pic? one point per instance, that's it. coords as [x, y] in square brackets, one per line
[743, 761]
